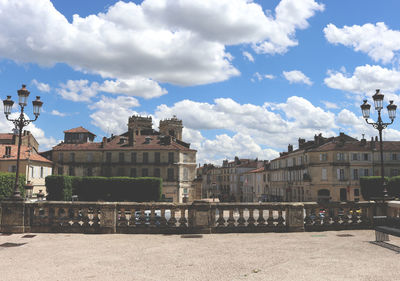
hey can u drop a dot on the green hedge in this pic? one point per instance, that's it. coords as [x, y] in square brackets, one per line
[372, 187]
[113, 189]
[7, 181]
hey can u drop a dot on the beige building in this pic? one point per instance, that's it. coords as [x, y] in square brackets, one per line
[140, 152]
[34, 166]
[329, 169]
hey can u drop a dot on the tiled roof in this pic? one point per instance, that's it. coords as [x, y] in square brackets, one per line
[6, 136]
[357, 146]
[24, 154]
[79, 129]
[121, 143]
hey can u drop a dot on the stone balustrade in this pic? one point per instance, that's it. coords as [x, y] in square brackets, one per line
[197, 217]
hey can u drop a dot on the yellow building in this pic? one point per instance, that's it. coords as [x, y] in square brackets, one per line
[34, 166]
[329, 169]
[140, 152]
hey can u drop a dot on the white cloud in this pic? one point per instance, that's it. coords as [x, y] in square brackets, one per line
[78, 90]
[139, 87]
[272, 126]
[57, 113]
[330, 105]
[43, 87]
[296, 76]
[111, 113]
[378, 41]
[261, 77]
[365, 80]
[248, 56]
[162, 40]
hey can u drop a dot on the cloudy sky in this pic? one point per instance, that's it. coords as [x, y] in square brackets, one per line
[246, 77]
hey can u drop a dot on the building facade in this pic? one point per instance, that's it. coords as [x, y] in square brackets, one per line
[34, 166]
[139, 152]
[329, 169]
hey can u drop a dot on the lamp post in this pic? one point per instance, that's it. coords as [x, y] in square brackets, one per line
[20, 123]
[379, 125]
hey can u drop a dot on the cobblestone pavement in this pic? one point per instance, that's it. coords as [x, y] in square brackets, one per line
[331, 255]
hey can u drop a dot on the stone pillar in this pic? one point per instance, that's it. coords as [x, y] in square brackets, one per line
[295, 217]
[12, 216]
[201, 218]
[108, 219]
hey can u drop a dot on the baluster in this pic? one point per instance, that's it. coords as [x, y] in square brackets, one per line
[132, 218]
[251, 220]
[261, 220]
[142, 217]
[172, 220]
[326, 220]
[163, 220]
[241, 220]
[280, 218]
[308, 219]
[183, 220]
[231, 220]
[336, 219]
[85, 217]
[152, 219]
[95, 219]
[317, 219]
[345, 218]
[221, 220]
[122, 218]
[270, 219]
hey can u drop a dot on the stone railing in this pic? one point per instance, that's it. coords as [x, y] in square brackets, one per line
[197, 217]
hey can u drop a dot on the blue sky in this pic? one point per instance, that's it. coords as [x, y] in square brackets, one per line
[247, 78]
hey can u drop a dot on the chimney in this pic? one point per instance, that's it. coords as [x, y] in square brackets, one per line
[363, 140]
[376, 138]
[301, 142]
[103, 142]
[131, 137]
[290, 148]
[8, 151]
[372, 143]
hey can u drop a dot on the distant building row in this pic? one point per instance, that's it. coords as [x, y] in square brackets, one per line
[323, 169]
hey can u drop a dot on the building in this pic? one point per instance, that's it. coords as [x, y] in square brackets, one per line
[226, 182]
[329, 169]
[34, 166]
[139, 152]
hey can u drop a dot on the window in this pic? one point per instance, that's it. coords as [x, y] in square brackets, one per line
[145, 157]
[394, 172]
[157, 172]
[108, 157]
[393, 156]
[366, 156]
[32, 172]
[121, 157]
[323, 157]
[133, 157]
[170, 157]
[120, 171]
[264, 177]
[71, 171]
[12, 168]
[355, 174]
[366, 172]
[356, 192]
[185, 190]
[72, 157]
[90, 157]
[145, 172]
[60, 171]
[89, 172]
[340, 156]
[41, 172]
[170, 174]
[340, 174]
[157, 157]
[185, 174]
[324, 175]
[60, 157]
[354, 157]
[133, 172]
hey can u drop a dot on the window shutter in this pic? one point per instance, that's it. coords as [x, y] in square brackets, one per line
[338, 174]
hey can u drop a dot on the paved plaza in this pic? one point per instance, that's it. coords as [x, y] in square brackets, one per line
[333, 255]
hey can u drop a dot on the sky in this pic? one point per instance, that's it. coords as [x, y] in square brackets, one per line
[246, 77]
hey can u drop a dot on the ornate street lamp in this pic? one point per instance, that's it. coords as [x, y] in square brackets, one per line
[20, 123]
[379, 125]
